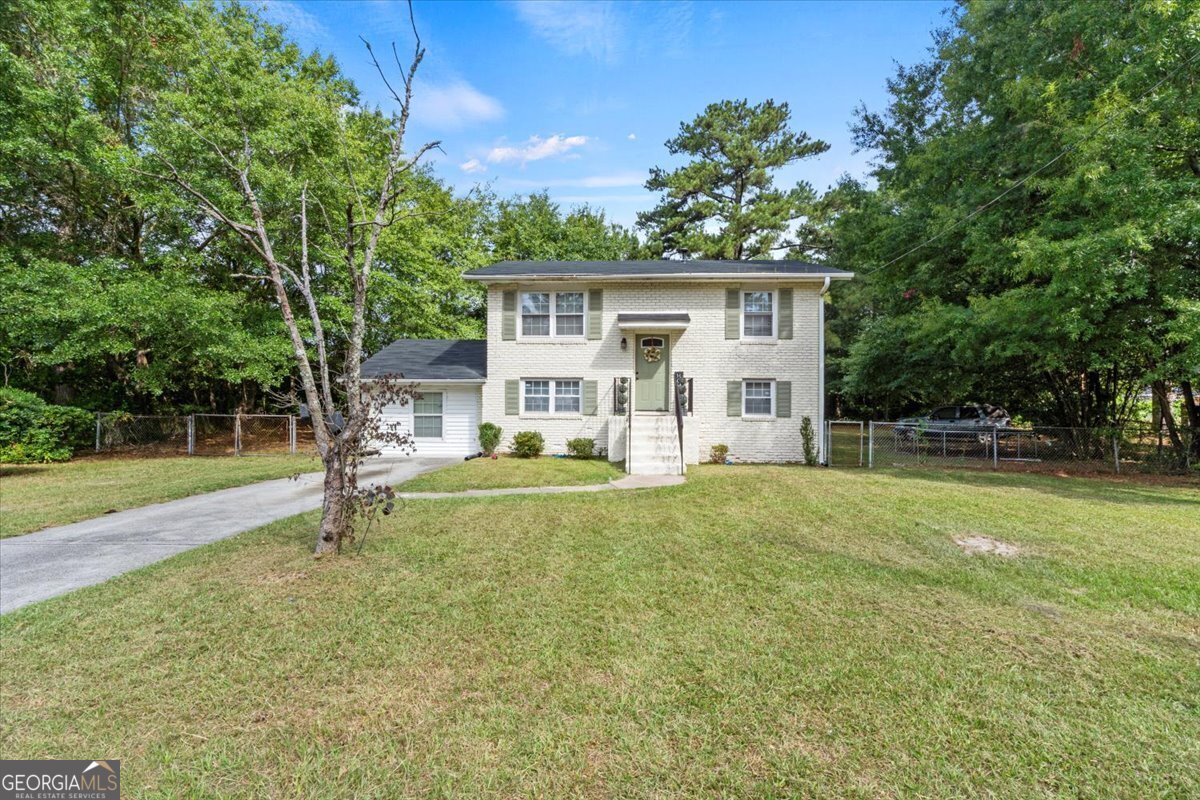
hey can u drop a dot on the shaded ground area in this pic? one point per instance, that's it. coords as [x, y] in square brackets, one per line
[756, 632]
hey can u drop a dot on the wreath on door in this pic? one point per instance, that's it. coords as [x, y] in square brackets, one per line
[652, 349]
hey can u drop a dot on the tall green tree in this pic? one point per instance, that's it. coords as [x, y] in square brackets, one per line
[724, 203]
[535, 228]
[1033, 237]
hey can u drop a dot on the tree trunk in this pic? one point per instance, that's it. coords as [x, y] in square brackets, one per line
[334, 514]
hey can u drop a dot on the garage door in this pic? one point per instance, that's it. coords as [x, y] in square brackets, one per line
[444, 421]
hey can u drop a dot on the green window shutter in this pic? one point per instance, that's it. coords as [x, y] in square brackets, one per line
[783, 398]
[508, 322]
[589, 398]
[733, 314]
[595, 321]
[734, 397]
[785, 313]
[512, 398]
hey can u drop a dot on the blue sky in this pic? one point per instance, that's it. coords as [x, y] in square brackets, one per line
[578, 97]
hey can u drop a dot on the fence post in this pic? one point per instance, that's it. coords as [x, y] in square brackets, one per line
[237, 434]
[828, 443]
[191, 428]
[860, 443]
[98, 431]
[871, 446]
[1117, 452]
[995, 449]
[292, 434]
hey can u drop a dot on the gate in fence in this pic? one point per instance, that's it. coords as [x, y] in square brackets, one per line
[197, 434]
[891, 444]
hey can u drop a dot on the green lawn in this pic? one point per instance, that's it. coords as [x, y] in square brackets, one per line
[40, 495]
[507, 472]
[757, 632]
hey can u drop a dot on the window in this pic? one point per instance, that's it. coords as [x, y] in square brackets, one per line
[758, 315]
[568, 314]
[427, 416]
[568, 398]
[535, 314]
[537, 319]
[553, 396]
[758, 398]
[537, 397]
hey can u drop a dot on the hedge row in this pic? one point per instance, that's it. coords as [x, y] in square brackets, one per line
[32, 431]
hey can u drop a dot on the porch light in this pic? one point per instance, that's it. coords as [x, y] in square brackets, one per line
[624, 343]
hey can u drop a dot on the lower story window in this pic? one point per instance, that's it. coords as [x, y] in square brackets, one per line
[758, 398]
[427, 416]
[553, 396]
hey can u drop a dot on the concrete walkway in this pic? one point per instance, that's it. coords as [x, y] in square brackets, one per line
[55, 561]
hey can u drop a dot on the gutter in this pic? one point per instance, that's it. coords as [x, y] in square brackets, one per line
[822, 456]
[681, 277]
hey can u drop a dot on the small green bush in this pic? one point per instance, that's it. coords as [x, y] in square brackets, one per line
[32, 431]
[489, 437]
[718, 453]
[581, 448]
[528, 444]
[808, 437]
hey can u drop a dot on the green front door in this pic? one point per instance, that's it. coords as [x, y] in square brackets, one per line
[653, 372]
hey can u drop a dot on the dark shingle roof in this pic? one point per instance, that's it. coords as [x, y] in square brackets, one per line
[430, 360]
[630, 318]
[663, 267]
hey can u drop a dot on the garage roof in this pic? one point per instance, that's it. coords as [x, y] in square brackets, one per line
[430, 360]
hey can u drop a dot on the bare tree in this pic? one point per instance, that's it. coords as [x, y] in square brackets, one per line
[343, 431]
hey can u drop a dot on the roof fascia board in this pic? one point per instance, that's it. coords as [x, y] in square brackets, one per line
[816, 277]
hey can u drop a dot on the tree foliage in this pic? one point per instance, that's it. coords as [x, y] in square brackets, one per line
[724, 203]
[1032, 240]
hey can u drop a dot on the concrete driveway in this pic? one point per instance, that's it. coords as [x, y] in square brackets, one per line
[55, 561]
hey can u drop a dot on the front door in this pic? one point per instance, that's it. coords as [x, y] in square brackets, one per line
[652, 372]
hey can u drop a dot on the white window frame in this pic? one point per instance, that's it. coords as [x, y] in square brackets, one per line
[554, 334]
[774, 404]
[552, 410]
[774, 293]
[441, 416]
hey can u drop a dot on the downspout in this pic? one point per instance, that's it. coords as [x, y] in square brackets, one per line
[821, 455]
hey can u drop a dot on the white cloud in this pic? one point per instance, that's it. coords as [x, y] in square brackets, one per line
[472, 166]
[536, 149]
[591, 28]
[454, 105]
[632, 137]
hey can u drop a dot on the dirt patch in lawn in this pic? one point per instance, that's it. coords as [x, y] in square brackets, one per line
[986, 545]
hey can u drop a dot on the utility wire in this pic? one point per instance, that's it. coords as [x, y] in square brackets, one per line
[1066, 150]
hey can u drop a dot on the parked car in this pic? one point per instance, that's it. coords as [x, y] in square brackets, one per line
[973, 421]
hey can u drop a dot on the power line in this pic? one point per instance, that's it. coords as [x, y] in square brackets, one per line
[1068, 149]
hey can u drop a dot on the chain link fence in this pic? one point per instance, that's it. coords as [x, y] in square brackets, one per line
[200, 434]
[1130, 448]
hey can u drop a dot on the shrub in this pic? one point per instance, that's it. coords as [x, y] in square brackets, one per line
[528, 444]
[808, 438]
[581, 448]
[489, 437]
[32, 431]
[718, 453]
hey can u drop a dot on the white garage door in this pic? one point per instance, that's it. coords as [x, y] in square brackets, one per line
[444, 421]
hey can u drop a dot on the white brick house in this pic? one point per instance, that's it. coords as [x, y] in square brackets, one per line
[594, 349]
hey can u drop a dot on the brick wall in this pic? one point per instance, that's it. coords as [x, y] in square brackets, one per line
[702, 352]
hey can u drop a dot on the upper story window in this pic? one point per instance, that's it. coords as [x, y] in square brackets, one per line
[552, 314]
[758, 315]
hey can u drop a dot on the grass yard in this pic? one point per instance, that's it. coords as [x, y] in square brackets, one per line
[37, 496]
[508, 472]
[757, 632]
